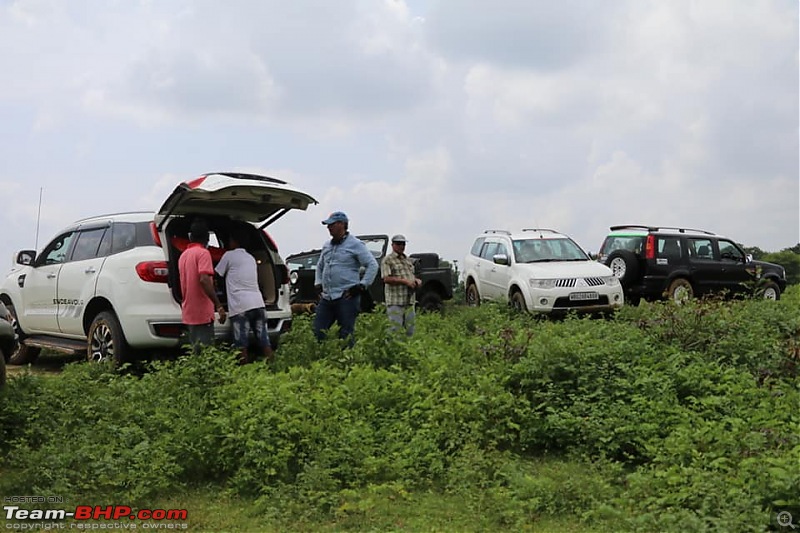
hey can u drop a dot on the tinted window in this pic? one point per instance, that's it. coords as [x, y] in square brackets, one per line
[144, 234]
[701, 248]
[105, 244]
[670, 247]
[308, 261]
[87, 243]
[490, 249]
[476, 246]
[633, 243]
[728, 250]
[56, 251]
[566, 250]
[376, 246]
[533, 250]
[123, 237]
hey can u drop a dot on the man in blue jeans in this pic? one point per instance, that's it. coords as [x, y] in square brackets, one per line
[338, 281]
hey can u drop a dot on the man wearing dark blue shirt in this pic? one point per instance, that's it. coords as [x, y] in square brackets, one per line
[337, 278]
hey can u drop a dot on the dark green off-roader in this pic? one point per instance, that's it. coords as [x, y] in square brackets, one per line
[437, 280]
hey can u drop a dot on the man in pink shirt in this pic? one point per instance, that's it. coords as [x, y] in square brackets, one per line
[197, 287]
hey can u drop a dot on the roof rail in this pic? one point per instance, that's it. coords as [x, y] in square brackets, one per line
[503, 231]
[540, 229]
[109, 215]
[659, 228]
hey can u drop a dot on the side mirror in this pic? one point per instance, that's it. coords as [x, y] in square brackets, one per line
[500, 259]
[26, 257]
[748, 258]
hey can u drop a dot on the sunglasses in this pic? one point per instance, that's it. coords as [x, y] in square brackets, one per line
[398, 243]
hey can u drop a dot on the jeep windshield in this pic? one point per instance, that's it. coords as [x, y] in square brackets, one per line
[302, 261]
[547, 250]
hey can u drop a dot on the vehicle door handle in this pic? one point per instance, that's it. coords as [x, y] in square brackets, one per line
[90, 270]
[51, 276]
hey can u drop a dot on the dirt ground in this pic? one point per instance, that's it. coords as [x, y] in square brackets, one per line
[47, 363]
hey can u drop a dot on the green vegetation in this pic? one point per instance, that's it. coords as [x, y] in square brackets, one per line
[788, 258]
[661, 418]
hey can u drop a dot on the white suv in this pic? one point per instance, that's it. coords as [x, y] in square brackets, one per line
[108, 285]
[538, 270]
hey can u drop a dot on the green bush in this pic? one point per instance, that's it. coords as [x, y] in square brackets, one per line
[662, 417]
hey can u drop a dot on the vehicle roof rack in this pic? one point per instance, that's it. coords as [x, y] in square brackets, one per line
[503, 231]
[540, 229]
[660, 228]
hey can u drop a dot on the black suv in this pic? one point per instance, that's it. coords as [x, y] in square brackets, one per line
[663, 262]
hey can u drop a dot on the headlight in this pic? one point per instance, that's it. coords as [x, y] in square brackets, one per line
[293, 277]
[542, 283]
[611, 281]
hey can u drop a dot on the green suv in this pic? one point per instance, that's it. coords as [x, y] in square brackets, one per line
[657, 262]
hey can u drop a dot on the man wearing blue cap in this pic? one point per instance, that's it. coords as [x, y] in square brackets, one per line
[337, 278]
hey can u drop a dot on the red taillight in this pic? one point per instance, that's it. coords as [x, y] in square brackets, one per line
[284, 274]
[155, 235]
[153, 271]
[650, 247]
[195, 183]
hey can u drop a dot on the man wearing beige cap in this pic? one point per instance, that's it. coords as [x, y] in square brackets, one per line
[400, 286]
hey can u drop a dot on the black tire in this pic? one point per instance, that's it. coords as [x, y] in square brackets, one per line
[770, 291]
[624, 265]
[431, 302]
[473, 299]
[517, 302]
[23, 355]
[680, 290]
[106, 341]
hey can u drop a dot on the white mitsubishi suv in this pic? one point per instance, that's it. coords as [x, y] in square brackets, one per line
[108, 285]
[538, 270]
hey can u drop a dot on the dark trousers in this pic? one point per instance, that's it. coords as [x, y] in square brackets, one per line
[201, 335]
[343, 311]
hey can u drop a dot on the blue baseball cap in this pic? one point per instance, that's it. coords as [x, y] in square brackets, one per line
[336, 216]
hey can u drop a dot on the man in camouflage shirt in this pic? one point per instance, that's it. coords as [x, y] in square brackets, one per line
[399, 286]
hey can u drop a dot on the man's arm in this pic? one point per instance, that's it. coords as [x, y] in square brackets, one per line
[320, 267]
[367, 260]
[207, 283]
[388, 279]
[206, 270]
[222, 266]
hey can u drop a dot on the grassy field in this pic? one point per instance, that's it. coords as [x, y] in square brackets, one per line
[660, 418]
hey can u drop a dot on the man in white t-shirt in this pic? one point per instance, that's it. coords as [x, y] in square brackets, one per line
[245, 302]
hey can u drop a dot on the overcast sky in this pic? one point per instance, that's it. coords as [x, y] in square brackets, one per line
[433, 118]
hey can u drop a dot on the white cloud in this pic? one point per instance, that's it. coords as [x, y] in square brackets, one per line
[435, 119]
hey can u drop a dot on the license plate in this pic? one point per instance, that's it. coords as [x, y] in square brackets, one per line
[584, 296]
